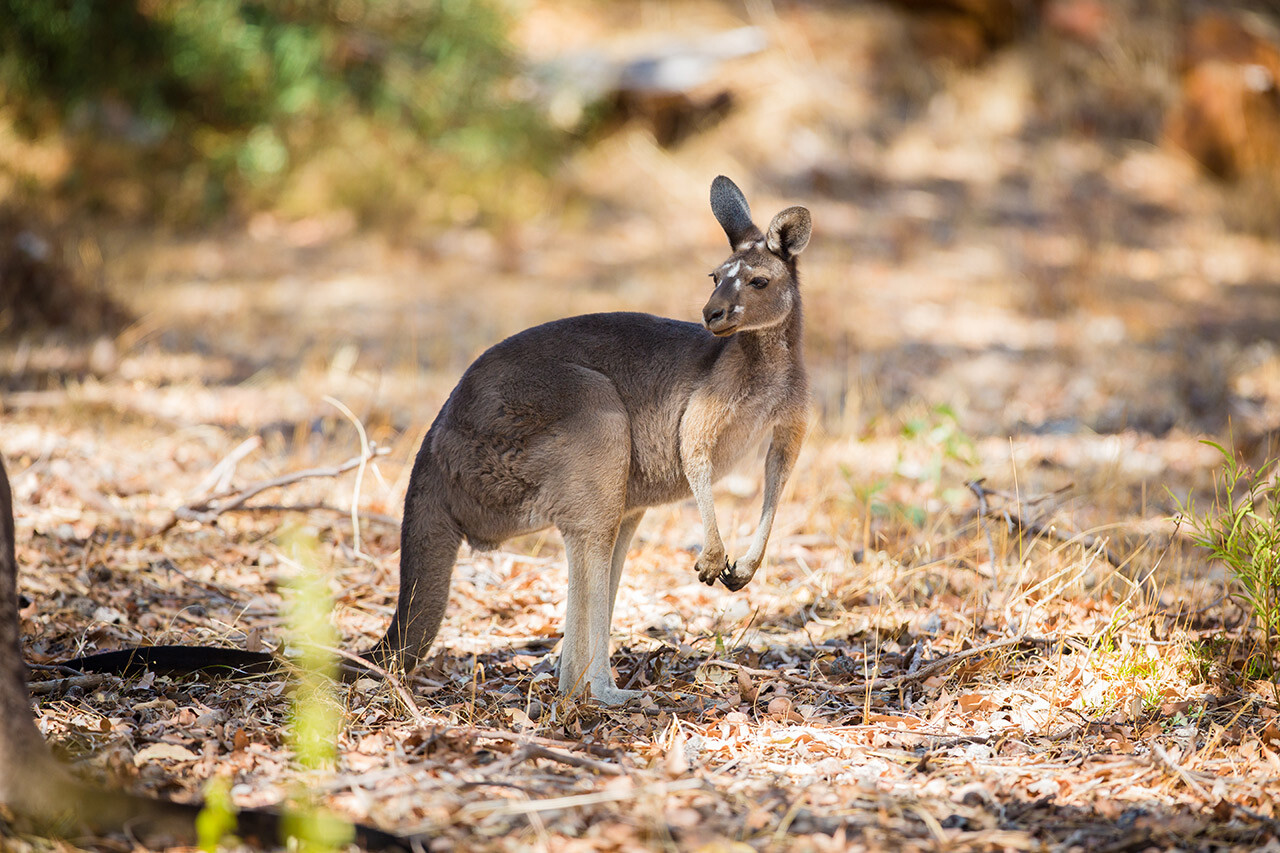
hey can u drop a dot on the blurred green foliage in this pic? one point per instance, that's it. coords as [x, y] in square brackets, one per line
[252, 103]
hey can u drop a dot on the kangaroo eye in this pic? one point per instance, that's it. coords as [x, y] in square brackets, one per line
[759, 282]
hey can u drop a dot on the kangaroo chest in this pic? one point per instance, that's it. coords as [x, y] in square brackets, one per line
[742, 429]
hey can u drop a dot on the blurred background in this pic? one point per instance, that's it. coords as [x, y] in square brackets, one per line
[1051, 221]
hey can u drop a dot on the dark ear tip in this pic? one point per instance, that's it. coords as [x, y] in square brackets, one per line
[723, 188]
[731, 210]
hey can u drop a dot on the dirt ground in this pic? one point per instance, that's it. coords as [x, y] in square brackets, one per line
[1041, 662]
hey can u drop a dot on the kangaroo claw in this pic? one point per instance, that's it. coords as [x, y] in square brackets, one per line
[733, 580]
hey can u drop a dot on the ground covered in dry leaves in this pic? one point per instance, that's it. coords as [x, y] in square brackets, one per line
[979, 629]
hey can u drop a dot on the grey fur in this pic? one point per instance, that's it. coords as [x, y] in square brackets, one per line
[585, 422]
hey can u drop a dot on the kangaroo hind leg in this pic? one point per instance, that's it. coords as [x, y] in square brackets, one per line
[585, 497]
[626, 530]
[584, 659]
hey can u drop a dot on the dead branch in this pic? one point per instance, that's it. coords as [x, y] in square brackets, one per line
[977, 488]
[218, 480]
[345, 514]
[497, 808]
[58, 685]
[210, 508]
[512, 737]
[1164, 759]
[396, 684]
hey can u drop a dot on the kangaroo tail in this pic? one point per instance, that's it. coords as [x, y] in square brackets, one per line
[429, 542]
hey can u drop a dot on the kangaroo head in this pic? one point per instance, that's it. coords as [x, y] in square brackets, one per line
[757, 286]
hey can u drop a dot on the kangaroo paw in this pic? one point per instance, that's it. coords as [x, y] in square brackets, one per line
[710, 569]
[737, 575]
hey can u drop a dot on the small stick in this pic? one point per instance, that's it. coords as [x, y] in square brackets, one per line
[534, 746]
[218, 480]
[365, 456]
[977, 488]
[1165, 759]
[981, 492]
[209, 509]
[1037, 528]
[1188, 778]
[512, 737]
[497, 808]
[375, 517]
[88, 682]
[534, 750]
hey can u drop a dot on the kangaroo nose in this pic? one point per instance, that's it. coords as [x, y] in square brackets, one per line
[712, 315]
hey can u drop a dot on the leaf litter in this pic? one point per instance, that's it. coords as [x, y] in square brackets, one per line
[998, 718]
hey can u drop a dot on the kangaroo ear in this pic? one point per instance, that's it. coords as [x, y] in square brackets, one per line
[789, 232]
[731, 210]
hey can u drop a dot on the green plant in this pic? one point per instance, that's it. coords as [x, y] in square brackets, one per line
[237, 101]
[217, 820]
[931, 441]
[1242, 530]
[316, 715]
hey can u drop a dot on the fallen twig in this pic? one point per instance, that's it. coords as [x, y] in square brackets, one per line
[210, 508]
[1188, 777]
[534, 750]
[375, 517]
[512, 737]
[397, 685]
[218, 480]
[58, 685]
[1166, 760]
[608, 795]
[980, 492]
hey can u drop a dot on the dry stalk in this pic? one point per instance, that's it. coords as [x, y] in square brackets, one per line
[397, 685]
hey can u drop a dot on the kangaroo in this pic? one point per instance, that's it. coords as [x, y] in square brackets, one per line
[584, 423]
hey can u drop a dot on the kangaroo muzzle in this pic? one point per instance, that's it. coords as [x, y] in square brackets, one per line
[720, 315]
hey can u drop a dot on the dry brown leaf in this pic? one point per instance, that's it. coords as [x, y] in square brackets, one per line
[972, 703]
[163, 752]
